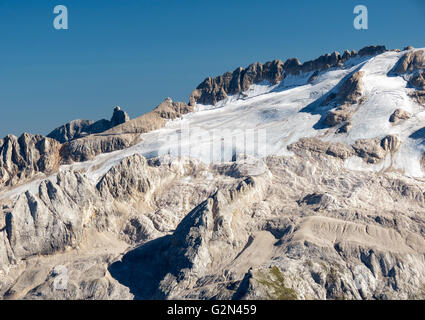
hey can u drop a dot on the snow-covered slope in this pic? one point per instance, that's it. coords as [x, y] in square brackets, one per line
[334, 206]
[273, 114]
[267, 118]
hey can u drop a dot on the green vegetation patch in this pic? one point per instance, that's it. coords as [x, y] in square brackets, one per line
[274, 281]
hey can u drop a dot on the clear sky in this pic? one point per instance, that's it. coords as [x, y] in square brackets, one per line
[135, 53]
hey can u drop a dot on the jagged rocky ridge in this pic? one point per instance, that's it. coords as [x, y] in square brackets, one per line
[212, 90]
[24, 157]
[82, 140]
[81, 128]
[299, 226]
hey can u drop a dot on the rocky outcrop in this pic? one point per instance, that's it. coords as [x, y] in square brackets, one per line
[409, 62]
[370, 150]
[346, 127]
[372, 50]
[35, 228]
[417, 80]
[212, 90]
[418, 96]
[22, 158]
[374, 150]
[72, 130]
[348, 93]
[81, 128]
[124, 135]
[155, 119]
[87, 148]
[309, 146]
[132, 177]
[412, 67]
[399, 114]
[119, 116]
[338, 116]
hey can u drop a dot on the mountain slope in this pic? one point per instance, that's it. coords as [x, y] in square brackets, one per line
[300, 181]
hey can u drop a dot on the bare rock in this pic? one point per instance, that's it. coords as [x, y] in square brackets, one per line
[153, 120]
[81, 128]
[316, 146]
[170, 110]
[350, 91]
[87, 148]
[374, 150]
[322, 63]
[34, 229]
[409, 62]
[23, 157]
[400, 114]
[292, 66]
[123, 135]
[212, 90]
[417, 80]
[71, 130]
[337, 117]
[418, 96]
[372, 50]
[390, 143]
[345, 127]
[119, 116]
[130, 177]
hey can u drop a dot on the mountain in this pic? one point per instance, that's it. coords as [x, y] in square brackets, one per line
[80, 128]
[282, 180]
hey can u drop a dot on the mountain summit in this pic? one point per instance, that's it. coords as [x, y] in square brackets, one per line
[282, 180]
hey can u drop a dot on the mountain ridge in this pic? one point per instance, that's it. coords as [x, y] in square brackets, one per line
[308, 188]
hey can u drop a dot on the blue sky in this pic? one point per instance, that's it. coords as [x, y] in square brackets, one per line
[135, 53]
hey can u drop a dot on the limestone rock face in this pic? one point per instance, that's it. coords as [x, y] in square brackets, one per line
[347, 94]
[310, 223]
[81, 128]
[418, 80]
[338, 116]
[400, 114]
[87, 148]
[130, 177]
[318, 147]
[21, 158]
[301, 229]
[409, 62]
[119, 116]
[371, 50]
[156, 119]
[375, 150]
[212, 90]
[34, 229]
[71, 130]
[418, 96]
[412, 67]
[124, 132]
